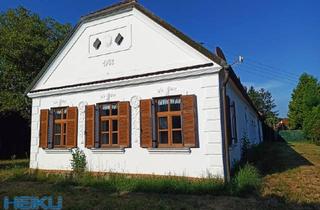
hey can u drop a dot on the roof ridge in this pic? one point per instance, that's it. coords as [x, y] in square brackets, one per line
[111, 7]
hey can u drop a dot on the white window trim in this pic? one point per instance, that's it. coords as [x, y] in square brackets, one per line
[108, 150]
[57, 151]
[169, 150]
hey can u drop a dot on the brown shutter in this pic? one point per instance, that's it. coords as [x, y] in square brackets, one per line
[44, 125]
[189, 120]
[146, 123]
[124, 124]
[228, 119]
[72, 127]
[89, 133]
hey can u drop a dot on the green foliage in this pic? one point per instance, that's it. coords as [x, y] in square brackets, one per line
[245, 146]
[304, 107]
[247, 180]
[78, 162]
[292, 135]
[26, 43]
[263, 101]
[311, 125]
[305, 96]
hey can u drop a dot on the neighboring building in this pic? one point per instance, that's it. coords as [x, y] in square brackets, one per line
[138, 96]
[283, 124]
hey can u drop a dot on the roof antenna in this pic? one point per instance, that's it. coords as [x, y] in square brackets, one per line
[238, 61]
[221, 55]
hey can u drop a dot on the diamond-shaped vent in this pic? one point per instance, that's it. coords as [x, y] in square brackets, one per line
[97, 44]
[119, 39]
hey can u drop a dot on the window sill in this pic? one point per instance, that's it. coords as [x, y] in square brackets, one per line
[169, 150]
[108, 151]
[57, 151]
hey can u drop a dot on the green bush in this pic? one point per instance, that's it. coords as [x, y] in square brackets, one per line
[245, 142]
[311, 125]
[78, 162]
[292, 135]
[246, 180]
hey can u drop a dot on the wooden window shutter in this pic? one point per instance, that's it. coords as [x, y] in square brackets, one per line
[89, 124]
[146, 123]
[235, 123]
[50, 130]
[72, 127]
[124, 124]
[189, 120]
[228, 119]
[44, 126]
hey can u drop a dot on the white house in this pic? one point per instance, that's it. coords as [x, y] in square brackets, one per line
[138, 96]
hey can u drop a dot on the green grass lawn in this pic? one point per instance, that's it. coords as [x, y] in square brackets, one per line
[291, 180]
[296, 174]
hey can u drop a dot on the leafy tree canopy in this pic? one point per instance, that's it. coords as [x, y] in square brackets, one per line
[311, 124]
[26, 43]
[304, 97]
[263, 101]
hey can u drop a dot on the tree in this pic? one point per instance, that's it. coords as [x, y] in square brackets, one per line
[311, 124]
[26, 43]
[263, 101]
[304, 97]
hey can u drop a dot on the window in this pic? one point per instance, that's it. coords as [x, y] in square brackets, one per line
[97, 44]
[119, 39]
[169, 125]
[233, 122]
[59, 127]
[109, 120]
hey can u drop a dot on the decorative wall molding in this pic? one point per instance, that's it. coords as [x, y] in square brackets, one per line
[81, 122]
[135, 104]
[60, 102]
[107, 97]
[128, 82]
[167, 91]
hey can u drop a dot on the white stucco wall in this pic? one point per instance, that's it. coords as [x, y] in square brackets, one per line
[200, 162]
[147, 47]
[247, 122]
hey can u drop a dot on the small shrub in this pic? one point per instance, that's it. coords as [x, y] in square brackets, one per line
[78, 162]
[246, 180]
[245, 142]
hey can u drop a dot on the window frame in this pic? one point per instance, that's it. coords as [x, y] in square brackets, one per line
[63, 127]
[169, 115]
[110, 118]
[233, 119]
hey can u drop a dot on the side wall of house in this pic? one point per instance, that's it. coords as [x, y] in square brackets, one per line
[247, 122]
[200, 162]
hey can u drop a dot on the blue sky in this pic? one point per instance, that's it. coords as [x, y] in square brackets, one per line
[278, 39]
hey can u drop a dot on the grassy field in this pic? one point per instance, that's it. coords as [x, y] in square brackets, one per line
[291, 180]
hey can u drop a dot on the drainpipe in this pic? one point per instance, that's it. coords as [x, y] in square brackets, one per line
[225, 125]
